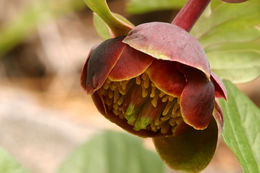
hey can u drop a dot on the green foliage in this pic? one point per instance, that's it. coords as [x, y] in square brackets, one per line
[142, 6]
[117, 26]
[230, 36]
[241, 128]
[101, 27]
[9, 165]
[112, 152]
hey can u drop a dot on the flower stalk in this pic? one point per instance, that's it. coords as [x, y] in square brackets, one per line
[190, 13]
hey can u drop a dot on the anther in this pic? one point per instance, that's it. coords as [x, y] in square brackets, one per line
[144, 92]
[113, 86]
[172, 122]
[116, 96]
[161, 94]
[164, 99]
[153, 92]
[110, 94]
[106, 85]
[121, 91]
[120, 101]
[175, 109]
[138, 80]
[167, 108]
[154, 101]
[146, 83]
[115, 107]
[165, 128]
[165, 118]
[144, 76]
[171, 98]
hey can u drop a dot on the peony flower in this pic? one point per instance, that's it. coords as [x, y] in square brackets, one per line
[154, 80]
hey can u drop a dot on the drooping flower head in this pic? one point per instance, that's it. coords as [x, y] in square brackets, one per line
[154, 80]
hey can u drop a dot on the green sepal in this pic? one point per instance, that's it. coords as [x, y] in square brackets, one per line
[118, 26]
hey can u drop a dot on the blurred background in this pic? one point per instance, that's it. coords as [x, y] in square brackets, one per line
[44, 113]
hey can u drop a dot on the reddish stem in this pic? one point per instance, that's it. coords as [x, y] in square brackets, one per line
[190, 13]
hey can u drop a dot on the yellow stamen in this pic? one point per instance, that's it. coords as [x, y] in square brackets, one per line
[144, 76]
[178, 121]
[116, 96]
[174, 110]
[161, 94]
[165, 118]
[109, 102]
[154, 101]
[121, 91]
[110, 94]
[165, 128]
[113, 86]
[164, 99]
[144, 92]
[120, 101]
[146, 83]
[153, 92]
[123, 84]
[171, 98]
[115, 107]
[106, 85]
[167, 108]
[172, 122]
[138, 80]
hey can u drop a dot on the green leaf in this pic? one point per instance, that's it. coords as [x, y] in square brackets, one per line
[103, 29]
[143, 6]
[118, 27]
[112, 152]
[230, 36]
[8, 164]
[241, 128]
[237, 65]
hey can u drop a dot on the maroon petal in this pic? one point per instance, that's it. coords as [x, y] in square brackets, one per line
[168, 42]
[101, 62]
[132, 63]
[166, 77]
[197, 100]
[220, 89]
[83, 77]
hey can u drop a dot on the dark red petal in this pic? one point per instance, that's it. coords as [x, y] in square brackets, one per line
[191, 151]
[220, 89]
[197, 100]
[101, 62]
[168, 42]
[132, 63]
[166, 77]
[83, 77]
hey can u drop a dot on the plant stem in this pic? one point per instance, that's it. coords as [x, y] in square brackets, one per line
[190, 13]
